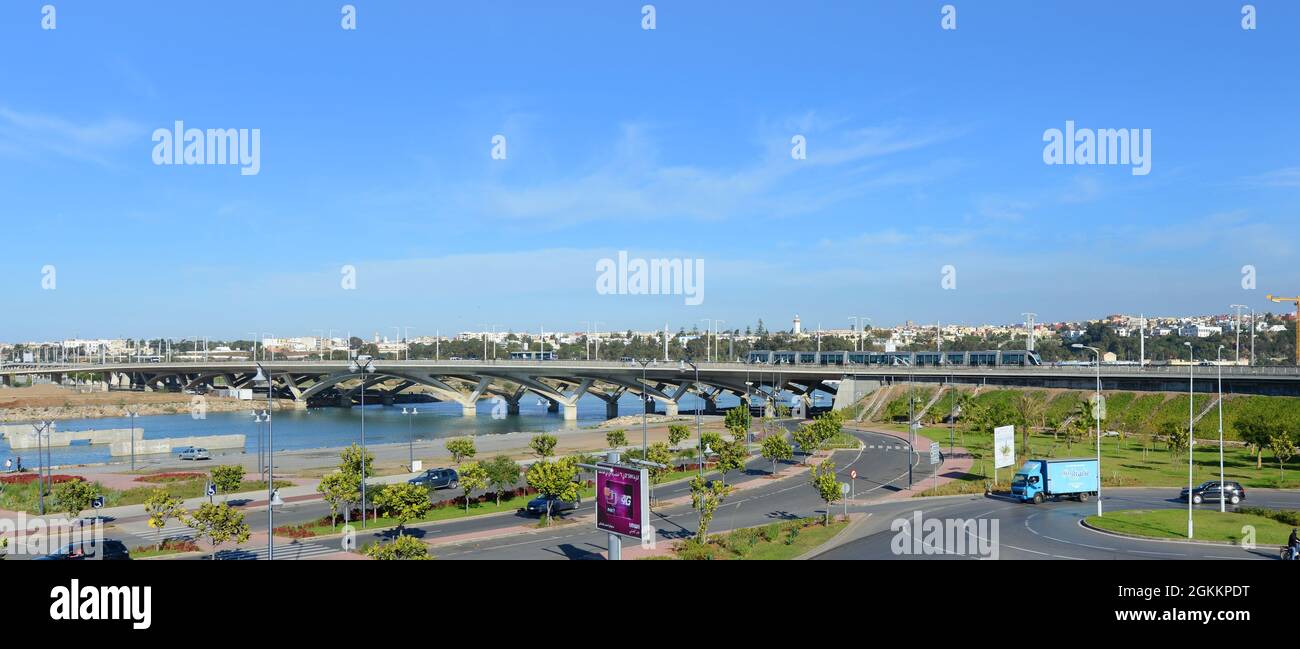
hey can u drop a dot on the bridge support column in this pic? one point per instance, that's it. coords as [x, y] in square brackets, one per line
[570, 412]
[670, 408]
[469, 409]
[553, 406]
[388, 399]
[649, 405]
[611, 409]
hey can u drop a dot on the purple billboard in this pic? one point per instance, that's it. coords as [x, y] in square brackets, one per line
[622, 500]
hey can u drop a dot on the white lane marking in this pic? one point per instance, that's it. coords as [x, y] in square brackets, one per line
[1162, 554]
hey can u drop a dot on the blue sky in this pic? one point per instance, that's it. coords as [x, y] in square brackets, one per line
[924, 149]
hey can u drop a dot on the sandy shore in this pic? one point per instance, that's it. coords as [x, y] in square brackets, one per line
[56, 402]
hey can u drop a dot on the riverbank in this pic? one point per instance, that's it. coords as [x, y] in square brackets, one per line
[52, 402]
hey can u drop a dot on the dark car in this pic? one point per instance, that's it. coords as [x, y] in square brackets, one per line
[107, 550]
[537, 506]
[437, 479]
[1208, 491]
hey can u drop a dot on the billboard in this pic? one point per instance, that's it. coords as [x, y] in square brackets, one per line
[1004, 446]
[623, 500]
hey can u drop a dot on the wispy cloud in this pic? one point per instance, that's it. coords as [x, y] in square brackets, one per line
[29, 134]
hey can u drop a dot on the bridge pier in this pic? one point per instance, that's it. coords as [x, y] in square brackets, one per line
[670, 408]
[552, 406]
[469, 409]
[571, 411]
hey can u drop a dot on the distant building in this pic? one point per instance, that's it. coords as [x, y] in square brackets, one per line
[1196, 330]
[797, 327]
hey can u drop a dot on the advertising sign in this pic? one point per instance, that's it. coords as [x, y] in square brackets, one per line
[623, 500]
[1004, 446]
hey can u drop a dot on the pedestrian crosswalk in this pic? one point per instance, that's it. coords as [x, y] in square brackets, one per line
[159, 535]
[283, 551]
[888, 447]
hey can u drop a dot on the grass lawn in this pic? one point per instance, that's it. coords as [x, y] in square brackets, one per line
[323, 527]
[1125, 464]
[25, 498]
[772, 542]
[1207, 525]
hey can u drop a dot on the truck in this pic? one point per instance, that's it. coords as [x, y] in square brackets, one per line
[1039, 479]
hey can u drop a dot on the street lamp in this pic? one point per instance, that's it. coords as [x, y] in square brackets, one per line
[264, 376]
[1096, 415]
[1191, 394]
[258, 419]
[749, 419]
[645, 423]
[410, 434]
[681, 367]
[40, 428]
[132, 414]
[1238, 307]
[363, 364]
[1222, 496]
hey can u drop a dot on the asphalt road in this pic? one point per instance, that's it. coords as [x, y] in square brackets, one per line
[1047, 531]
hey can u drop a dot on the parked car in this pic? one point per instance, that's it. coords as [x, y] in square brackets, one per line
[537, 506]
[1208, 491]
[193, 453]
[437, 479]
[108, 550]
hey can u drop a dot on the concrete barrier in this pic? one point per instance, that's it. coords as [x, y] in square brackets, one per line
[169, 444]
[20, 438]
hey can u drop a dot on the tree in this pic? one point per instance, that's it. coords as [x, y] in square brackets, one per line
[659, 454]
[502, 474]
[1283, 448]
[806, 437]
[1031, 410]
[731, 456]
[350, 461]
[404, 501]
[737, 422]
[822, 477]
[228, 478]
[74, 496]
[218, 524]
[543, 445]
[711, 440]
[677, 433]
[461, 448]
[472, 476]
[1176, 436]
[616, 438]
[1256, 426]
[161, 508]
[337, 489]
[554, 479]
[775, 448]
[402, 548]
[706, 497]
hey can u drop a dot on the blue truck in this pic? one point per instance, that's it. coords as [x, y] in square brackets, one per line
[1040, 479]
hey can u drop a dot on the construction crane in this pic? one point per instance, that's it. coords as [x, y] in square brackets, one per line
[1296, 302]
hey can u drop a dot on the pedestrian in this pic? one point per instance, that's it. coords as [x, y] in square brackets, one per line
[20, 464]
[9, 464]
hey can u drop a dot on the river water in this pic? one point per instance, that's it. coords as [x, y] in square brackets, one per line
[336, 427]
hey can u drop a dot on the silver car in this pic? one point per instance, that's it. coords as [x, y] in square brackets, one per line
[193, 453]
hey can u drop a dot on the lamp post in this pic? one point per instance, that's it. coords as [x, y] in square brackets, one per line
[258, 419]
[41, 428]
[264, 376]
[749, 419]
[1191, 393]
[645, 422]
[681, 367]
[410, 434]
[363, 364]
[1238, 307]
[1096, 415]
[132, 414]
[1222, 506]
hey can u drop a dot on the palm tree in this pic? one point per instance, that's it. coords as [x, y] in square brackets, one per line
[1031, 412]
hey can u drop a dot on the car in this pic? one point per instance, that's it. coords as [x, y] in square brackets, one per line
[1208, 491]
[193, 453]
[437, 479]
[537, 506]
[108, 549]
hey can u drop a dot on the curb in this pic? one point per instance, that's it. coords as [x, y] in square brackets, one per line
[1083, 522]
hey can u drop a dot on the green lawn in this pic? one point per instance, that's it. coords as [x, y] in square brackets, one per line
[25, 498]
[772, 542]
[1132, 462]
[323, 527]
[1207, 525]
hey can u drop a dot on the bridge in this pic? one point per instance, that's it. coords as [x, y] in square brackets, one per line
[562, 383]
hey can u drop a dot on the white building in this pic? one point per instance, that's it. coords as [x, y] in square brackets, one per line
[1197, 330]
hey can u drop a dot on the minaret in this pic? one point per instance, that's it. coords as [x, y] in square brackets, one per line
[797, 328]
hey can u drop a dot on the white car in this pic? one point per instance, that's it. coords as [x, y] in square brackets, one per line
[193, 453]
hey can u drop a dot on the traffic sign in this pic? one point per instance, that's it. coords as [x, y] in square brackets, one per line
[211, 489]
[853, 474]
[934, 452]
[98, 502]
[844, 488]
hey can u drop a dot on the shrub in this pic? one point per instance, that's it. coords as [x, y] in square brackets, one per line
[794, 535]
[1284, 516]
[693, 550]
[175, 476]
[27, 478]
[771, 532]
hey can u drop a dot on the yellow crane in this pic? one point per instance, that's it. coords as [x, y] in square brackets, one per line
[1296, 302]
